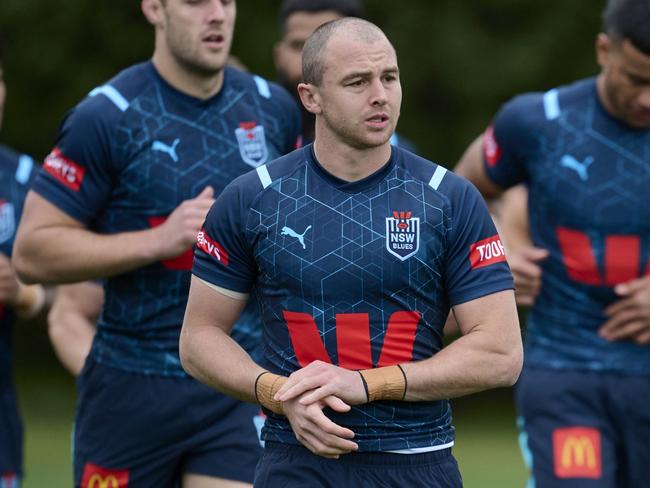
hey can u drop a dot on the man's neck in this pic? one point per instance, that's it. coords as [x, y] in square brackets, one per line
[193, 84]
[348, 163]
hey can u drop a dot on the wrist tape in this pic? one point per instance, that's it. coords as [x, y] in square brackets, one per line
[267, 385]
[387, 383]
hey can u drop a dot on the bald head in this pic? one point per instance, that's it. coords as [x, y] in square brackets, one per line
[314, 52]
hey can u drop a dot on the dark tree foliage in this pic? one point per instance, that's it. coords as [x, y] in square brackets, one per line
[460, 59]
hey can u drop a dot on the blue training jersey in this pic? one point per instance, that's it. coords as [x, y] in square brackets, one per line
[16, 174]
[589, 176]
[126, 157]
[358, 274]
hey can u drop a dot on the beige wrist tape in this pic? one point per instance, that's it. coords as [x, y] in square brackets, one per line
[267, 385]
[31, 299]
[387, 383]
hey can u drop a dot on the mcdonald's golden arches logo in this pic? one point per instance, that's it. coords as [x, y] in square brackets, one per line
[577, 452]
[98, 477]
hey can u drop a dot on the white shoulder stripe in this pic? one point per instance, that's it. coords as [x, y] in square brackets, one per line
[265, 177]
[551, 104]
[262, 86]
[113, 95]
[437, 177]
[24, 169]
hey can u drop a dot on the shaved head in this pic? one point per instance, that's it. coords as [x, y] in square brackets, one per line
[313, 54]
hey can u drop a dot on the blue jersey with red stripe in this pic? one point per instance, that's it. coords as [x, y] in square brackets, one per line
[358, 274]
[589, 176]
[16, 174]
[126, 157]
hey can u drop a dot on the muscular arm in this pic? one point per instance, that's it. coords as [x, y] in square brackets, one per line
[52, 247]
[71, 322]
[487, 355]
[207, 351]
[471, 167]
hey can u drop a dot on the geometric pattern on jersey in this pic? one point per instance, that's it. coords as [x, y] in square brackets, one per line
[132, 152]
[315, 250]
[588, 175]
[16, 174]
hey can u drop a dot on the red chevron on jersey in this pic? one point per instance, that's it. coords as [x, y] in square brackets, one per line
[491, 150]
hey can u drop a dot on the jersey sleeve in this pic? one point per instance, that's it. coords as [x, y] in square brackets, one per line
[223, 255]
[78, 174]
[510, 140]
[476, 262]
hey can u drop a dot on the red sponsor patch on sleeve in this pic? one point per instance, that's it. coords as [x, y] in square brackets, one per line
[97, 477]
[211, 247]
[64, 170]
[577, 452]
[491, 150]
[486, 252]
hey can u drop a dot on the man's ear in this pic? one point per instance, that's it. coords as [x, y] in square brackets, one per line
[310, 97]
[153, 11]
[603, 49]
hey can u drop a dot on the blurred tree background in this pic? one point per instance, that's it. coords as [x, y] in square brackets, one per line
[459, 60]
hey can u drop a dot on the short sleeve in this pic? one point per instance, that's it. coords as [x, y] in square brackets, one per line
[78, 174]
[510, 140]
[476, 261]
[223, 255]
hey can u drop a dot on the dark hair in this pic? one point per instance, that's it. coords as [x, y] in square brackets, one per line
[628, 19]
[315, 48]
[347, 8]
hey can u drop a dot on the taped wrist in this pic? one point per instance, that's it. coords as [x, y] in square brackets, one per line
[267, 385]
[387, 383]
[31, 299]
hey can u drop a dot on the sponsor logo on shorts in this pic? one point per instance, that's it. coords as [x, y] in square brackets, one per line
[491, 150]
[577, 453]
[97, 477]
[211, 247]
[486, 252]
[64, 170]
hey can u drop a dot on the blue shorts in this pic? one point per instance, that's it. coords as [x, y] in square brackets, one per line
[148, 431]
[11, 436]
[293, 466]
[585, 429]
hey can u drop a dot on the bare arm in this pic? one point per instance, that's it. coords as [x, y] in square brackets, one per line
[25, 300]
[71, 322]
[207, 351]
[471, 167]
[487, 355]
[52, 247]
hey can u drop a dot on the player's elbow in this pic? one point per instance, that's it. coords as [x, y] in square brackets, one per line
[509, 365]
[26, 269]
[185, 353]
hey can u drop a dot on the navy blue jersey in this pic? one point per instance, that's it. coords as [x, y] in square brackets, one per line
[126, 157]
[589, 176]
[358, 274]
[16, 173]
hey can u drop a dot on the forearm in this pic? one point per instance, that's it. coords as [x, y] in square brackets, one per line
[470, 364]
[71, 339]
[215, 359]
[69, 254]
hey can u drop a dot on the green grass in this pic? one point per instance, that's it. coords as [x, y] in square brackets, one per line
[486, 445]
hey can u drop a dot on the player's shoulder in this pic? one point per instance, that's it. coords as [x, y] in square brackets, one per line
[547, 105]
[267, 91]
[20, 167]
[113, 98]
[249, 186]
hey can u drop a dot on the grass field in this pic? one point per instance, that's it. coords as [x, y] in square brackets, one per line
[486, 447]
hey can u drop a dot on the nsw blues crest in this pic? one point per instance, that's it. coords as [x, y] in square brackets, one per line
[252, 143]
[402, 234]
[7, 221]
